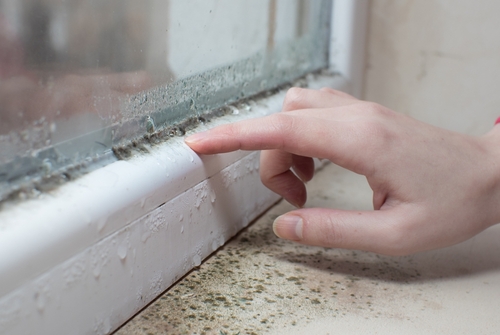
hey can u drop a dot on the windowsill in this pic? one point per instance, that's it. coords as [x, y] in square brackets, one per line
[260, 284]
[92, 253]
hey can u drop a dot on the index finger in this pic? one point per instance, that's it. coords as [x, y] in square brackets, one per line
[302, 98]
[305, 135]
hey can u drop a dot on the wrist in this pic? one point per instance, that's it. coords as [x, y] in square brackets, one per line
[491, 144]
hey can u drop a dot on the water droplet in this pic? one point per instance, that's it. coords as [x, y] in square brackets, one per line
[192, 158]
[46, 166]
[96, 271]
[145, 236]
[198, 202]
[213, 196]
[122, 252]
[244, 106]
[40, 301]
[215, 245]
[101, 224]
[197, 260]
[143, 202]
[107, 326]
[150, 124]
[234, 110]
[180, 132]
[53, 127]
[251, 103]
[182, 229]
[181, 217]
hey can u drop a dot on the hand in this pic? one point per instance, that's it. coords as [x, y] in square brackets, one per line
[431, 187]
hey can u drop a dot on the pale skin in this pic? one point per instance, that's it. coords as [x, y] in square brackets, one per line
[431, 187]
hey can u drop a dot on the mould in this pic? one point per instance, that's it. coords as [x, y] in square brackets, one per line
[258, 283]
[48, 170]
[156, 134]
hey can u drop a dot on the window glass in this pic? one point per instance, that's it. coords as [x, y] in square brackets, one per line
[81, 79]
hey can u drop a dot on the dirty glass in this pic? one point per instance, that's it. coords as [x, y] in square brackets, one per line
[80, 78]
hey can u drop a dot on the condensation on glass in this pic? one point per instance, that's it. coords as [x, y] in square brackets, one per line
[79, 77]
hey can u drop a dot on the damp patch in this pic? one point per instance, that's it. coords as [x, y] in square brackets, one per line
[28, 177]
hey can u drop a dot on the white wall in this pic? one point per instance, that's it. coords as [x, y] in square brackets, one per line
[437, 60]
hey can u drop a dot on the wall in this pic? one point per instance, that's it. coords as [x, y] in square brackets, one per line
[438, 61]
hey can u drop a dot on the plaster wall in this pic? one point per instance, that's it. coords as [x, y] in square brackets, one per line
[438, 61]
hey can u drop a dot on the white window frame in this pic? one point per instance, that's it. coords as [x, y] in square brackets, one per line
[88, 256]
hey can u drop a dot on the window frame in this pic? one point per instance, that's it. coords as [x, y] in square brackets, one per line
[90, 255]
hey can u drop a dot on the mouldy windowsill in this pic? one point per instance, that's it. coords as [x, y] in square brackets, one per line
[260, 284]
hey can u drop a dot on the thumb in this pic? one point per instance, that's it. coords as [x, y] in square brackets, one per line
[361, 230]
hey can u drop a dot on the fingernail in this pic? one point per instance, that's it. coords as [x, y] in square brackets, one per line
[295, 204]
[198, 137]
[288, 227]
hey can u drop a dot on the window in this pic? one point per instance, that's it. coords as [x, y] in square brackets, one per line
[81, 79]
[97, 92]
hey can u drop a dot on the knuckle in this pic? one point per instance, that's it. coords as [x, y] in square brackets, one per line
[266, 178]
[376, 127]
[230, 129]
[397, 242]
[283, 124]
[335, 235]
[331, 231]
[294, 98]
[227, 129]
[376, 110]
[374, 117]
[268, 173]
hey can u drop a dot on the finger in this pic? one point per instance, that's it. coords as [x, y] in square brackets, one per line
[337, 93]
[302, 98]
[360, 230]
[303, 167]
[379, 199]
[276, 175]
[339, 141]
[276, 131]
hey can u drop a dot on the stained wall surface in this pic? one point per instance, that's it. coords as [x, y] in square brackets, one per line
[438, 61]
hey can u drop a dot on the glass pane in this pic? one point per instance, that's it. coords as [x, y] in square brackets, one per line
[81, 80]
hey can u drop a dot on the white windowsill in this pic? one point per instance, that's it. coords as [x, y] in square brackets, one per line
[89, 255]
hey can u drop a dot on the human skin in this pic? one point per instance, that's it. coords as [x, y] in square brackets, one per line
[431, 187]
